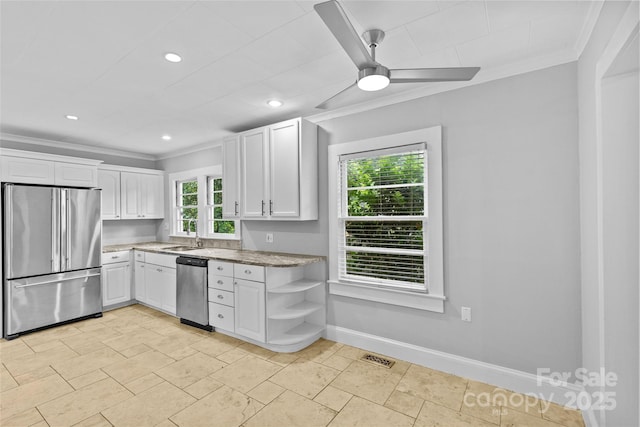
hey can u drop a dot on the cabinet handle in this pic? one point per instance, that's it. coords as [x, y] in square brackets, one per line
[219, 268]
[220, 316]
[142, 266]
[236, 209]
[262, 210]
[220, 282]
[117, 216]
[220, 297]
[270, 207]
[247, 271]
[114, 257]
[159, 270]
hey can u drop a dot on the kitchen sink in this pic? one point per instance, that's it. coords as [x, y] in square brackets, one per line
[182, 248]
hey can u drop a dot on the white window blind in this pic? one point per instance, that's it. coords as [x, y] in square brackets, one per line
[383, 218]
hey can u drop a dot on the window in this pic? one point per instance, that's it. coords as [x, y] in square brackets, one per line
[198, 205]
[186, 205]
[386, 241]
[215, 223]
[382, 218]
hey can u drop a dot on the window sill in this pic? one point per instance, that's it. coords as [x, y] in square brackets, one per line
[184, 236]
[414, 300]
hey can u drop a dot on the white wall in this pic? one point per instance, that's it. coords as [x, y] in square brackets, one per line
[609, 256]
[511, 222]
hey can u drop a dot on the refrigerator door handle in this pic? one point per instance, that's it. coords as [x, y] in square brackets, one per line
[8, 225]
[46, 282]
[55, 230]
[66, 230]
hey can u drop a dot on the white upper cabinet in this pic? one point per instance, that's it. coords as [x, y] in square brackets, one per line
[27, 167]
[278, 172]
[231, 177]
[131, 193]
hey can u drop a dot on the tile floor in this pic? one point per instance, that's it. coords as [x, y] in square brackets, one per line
[138, 367]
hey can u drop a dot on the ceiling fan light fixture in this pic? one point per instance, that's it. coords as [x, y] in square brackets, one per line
[373, 79]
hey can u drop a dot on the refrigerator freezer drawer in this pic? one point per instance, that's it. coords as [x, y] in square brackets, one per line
[46, 300]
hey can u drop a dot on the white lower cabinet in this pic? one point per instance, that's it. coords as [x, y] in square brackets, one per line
[249, 300]
[116, 278]
[155, 281]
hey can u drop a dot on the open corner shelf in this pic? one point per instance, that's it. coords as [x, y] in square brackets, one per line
[296, 286]
[295, 335]
[297, 311]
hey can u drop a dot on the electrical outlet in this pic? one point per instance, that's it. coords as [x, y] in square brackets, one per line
[466, 314]
[269, 238]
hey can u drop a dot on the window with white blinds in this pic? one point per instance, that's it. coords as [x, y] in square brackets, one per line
[383, 218]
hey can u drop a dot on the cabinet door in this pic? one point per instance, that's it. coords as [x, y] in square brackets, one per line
[153, 285]
[130, 195]
[168, 278]
[250, 309]
[116, 283]
[109, 182]
[284, 155]
[139, 282]
[254, 174]
[151, 196]
[26, 171]
[231, 178]
[75, 175]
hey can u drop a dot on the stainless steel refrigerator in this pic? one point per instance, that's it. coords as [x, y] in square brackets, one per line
[52, 240]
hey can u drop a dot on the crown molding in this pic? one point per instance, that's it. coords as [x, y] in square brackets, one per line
[484, 76]
[189, 150]
[73, 146]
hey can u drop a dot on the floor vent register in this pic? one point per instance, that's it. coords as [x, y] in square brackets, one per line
[377, 360]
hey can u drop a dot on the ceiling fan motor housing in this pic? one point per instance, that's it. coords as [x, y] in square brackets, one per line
[373, 78]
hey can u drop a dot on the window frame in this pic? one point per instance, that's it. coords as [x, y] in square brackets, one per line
[201, 175]
[433, 299]
[178, 207]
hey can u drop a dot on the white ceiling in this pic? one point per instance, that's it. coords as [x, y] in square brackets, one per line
[103, 61]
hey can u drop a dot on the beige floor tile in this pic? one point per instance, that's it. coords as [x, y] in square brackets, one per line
[350, 352]
[434, 415]
[246, 373]
[483, 401]
[175, 342]
[320, 350]
[224, 407]
[520, 402]
[305, 377]
[371, 382]
[14, 349]
[215, 347]
[257, 351]
[149, 407]
[333, 398]
[130, 369]
[201, 388]
[266, 392]
[404, 403]
[144, 383]
[41, 424]
[292, 410]
[360, 412]
[337, 362]
[86, 379]
[135, 350]
[439, 387]
[27, 418]
[81, 404]
[19, 399]
[520, 419]
[283, 359]
[566, 416]
[36, 361]
[38, 374]
[52, 334]
[86, 363]
[136, 337]
[190, 369]
[48, 345]
[94, 421]
[232, 355]
[7, 382]
[84, 343]
[166, 423]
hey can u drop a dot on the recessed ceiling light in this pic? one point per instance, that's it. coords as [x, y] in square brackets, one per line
[166, 137]
[275, 103]
[70, 117]
[173, 57]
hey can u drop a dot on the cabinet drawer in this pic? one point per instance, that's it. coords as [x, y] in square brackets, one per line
[221, 297]
[113, 257]
[220, 282]
[138, 256]
[248, 272]
[221, 268]
[221, 316]
[160, 259]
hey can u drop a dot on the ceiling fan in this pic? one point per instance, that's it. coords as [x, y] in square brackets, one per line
[372, 75]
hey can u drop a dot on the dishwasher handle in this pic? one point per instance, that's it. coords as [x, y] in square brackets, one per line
[193, 262]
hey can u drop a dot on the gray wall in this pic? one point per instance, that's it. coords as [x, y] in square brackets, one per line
[512, 239]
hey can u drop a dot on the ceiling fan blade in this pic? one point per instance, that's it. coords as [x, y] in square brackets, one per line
[341, 97]
[336, 19]
[418, 75]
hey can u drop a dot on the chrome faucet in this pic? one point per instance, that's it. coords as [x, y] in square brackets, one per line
[195, 223]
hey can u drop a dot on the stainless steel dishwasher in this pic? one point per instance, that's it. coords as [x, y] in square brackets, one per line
[191, 292]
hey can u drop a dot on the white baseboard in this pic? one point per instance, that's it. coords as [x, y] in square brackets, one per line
[506, 378]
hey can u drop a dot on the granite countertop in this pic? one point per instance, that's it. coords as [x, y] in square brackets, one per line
[266, 259]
